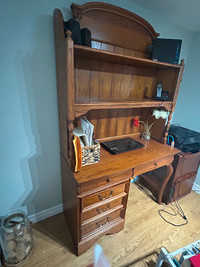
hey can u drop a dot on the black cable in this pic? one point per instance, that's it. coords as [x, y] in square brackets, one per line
[177, 225]
[179, 211]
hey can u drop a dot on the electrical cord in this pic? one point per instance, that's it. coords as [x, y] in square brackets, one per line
[179, 211]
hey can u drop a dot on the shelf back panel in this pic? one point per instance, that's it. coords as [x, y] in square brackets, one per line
[100, 81]
[97, 81]
[119, 50]
[119, 122]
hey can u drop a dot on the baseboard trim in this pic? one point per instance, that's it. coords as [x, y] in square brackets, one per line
[42, 215]
[196, 188]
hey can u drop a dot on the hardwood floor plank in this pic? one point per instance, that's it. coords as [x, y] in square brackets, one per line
[144, 232]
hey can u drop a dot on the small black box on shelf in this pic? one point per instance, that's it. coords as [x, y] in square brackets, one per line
[86, 37]
[74, 27]
[166, 50]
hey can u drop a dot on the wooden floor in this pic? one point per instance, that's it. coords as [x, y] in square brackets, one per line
[144, 232]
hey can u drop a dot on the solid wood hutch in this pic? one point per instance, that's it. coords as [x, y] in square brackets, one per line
[111, 83]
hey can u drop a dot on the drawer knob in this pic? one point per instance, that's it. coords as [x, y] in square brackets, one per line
[108, 180]
[100, 211]
[103, 198]
[102, 224]
[156, 163]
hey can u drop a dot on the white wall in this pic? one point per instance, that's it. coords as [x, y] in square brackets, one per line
[30, 177]
[188, 105]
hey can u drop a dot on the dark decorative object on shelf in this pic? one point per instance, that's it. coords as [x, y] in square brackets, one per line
[86, 37]
[166, 50]
[74, 27]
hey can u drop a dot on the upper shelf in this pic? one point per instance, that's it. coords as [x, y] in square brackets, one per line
[102, 55]
[83, 108]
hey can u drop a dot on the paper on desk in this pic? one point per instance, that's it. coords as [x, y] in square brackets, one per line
[88, 129]
[91, 131]
[83, 137]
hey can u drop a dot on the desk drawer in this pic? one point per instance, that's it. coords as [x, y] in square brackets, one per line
[152, 165]
[106, 180]
[102, 222]
[102, 195]
[102, 208]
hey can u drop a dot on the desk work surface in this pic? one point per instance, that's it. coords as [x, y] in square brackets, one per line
[110, 164]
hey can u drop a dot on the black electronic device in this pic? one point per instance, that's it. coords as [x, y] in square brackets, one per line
[118, 146]
[86, 37]
[166, 50]
[185, 139]
[74, 27]
[158, 95]
[165, 95]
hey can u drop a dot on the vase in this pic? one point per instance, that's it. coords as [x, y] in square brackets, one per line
[146, 135]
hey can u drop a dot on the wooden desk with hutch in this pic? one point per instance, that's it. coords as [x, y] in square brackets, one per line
[112, 83]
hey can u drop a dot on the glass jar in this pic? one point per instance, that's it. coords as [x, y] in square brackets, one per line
[16, 237]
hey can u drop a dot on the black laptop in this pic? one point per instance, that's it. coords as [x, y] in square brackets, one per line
[118, 146]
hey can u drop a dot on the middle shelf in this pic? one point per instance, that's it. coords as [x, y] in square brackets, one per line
[83, 108]
[112, 57]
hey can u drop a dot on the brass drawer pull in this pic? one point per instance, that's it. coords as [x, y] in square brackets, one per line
[108, 180]
[100, 211]
[103, 198]
[156, 164]
[102, 224]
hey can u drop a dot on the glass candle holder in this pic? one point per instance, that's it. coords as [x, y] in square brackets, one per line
[16, 237]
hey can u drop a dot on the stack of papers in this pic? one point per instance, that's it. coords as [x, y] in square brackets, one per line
[85, 132]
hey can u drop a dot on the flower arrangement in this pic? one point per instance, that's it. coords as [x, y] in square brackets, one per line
[147, 127]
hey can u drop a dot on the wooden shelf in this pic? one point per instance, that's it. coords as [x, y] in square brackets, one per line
[102, 55]
[83, 108]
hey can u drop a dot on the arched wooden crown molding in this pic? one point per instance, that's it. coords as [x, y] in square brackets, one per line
[80, 10]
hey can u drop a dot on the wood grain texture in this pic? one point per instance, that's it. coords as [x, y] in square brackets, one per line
[118, 57]
[61, 70]
[101, 209]
[142, 158]
[112, 83]
[104, 182]
[71, 203]
[115, 20]
[105, 220]
[144, 232]
[102, 195]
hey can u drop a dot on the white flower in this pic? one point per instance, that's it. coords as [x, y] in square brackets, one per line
[160, 114]
[163, 114]
[156, 113]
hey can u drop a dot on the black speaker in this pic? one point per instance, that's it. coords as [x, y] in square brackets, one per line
[86, 37]
[74, 27]
[166, 50]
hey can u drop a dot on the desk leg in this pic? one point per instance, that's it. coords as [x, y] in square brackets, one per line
[168, 175]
